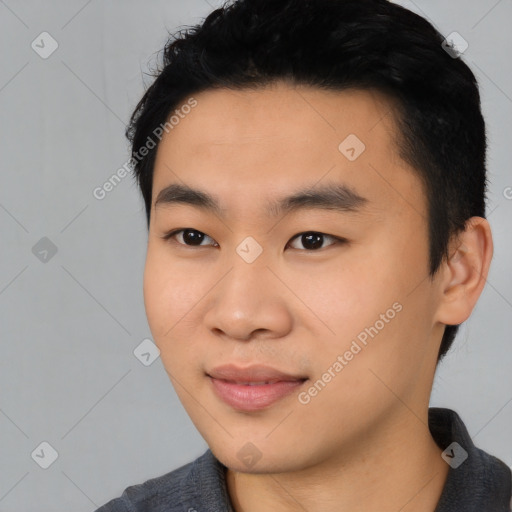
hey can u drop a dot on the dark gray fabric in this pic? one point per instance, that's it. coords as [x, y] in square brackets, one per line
[482, 483]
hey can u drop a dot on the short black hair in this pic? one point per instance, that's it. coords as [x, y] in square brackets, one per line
[373, 45]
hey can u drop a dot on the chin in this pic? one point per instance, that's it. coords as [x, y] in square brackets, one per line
[256, 460]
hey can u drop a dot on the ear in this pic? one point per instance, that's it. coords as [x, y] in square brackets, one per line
[465, 271]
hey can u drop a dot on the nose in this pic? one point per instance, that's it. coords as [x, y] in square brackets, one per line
[249, 302]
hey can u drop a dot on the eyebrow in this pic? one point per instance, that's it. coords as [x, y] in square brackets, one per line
[332, 196]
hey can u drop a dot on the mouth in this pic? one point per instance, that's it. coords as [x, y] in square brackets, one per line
[252, 388]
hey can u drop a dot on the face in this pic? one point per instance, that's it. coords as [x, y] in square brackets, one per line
[328, 291]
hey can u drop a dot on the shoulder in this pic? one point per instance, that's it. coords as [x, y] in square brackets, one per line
[165, 493]
[476, 480]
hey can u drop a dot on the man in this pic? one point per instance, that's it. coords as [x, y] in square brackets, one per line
[316, 215]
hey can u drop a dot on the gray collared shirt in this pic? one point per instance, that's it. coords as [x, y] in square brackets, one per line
[477, 481]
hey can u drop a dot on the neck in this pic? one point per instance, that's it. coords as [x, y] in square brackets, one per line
[397, 469]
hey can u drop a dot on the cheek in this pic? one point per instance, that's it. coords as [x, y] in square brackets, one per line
[168, 297]
[349, 292]
[369, 284]
[170, 294]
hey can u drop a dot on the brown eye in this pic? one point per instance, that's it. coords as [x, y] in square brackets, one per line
[188, 236]
[312, 240]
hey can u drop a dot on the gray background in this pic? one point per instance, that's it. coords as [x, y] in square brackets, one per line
[69, 326]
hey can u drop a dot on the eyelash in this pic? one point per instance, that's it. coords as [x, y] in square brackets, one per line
[338, 240]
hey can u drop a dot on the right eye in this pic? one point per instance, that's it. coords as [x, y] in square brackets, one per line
[189, 237]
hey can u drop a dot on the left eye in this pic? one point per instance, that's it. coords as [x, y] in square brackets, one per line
[313, 240]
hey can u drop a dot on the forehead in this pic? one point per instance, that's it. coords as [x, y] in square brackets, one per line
[275, 139]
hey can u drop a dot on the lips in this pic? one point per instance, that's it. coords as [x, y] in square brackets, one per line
[253, 388]
[252, 375]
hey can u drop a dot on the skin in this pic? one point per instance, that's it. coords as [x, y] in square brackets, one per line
[362, 443]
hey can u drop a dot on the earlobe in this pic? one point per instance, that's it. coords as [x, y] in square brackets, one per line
[465, 272]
